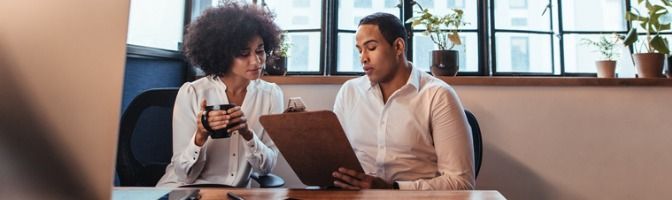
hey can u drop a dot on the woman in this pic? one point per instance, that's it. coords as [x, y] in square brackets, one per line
[229, 43]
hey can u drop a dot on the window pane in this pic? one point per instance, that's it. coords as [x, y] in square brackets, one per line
[533, 12]
[391, 3]
[351, 11]
[580, 57]
[198, 6]
[438, 8]
[301, 3]
[468, 51]
[304, 52]
[299, 14]
[348, 56]
[456, 4]
[156, 23]
[523, 53]
[518, 4]
[362, 3]
[582, 15]
[429, 4]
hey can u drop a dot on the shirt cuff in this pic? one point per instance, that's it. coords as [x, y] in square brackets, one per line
[406, 185]
[193, 151]
[253, 144]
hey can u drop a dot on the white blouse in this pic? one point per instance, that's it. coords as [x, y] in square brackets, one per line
[227, 161]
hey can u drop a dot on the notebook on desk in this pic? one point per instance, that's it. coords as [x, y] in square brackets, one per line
[313, 143]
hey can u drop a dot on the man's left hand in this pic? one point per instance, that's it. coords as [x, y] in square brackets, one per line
[353, 180]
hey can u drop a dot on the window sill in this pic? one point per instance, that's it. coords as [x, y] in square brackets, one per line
[492, 81]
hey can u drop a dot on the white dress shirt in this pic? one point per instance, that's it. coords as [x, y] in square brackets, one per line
[227, 161]
[420, 138]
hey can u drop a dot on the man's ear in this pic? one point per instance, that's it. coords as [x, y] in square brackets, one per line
[399, 46]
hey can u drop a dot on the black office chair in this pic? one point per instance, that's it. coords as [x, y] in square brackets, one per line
[478, 140]
[145, 141]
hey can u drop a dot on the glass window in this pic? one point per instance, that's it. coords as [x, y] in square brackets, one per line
[350, 12]
[456, 4]
[468, 51]
[303, 20]
[301, 3]
[426, 3]
[515, 54]
[520, 56]
[518, 22]
[517, 25]
[582, 15]
[391, 3]
[537, 16]
[515, 4]
[362, 3]
[156, 23]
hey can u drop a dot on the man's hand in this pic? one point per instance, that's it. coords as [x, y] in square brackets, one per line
[353, 180]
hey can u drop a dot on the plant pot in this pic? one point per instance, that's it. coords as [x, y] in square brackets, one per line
[649, 65]
[606, 68]
[445, 62]
[276, 65]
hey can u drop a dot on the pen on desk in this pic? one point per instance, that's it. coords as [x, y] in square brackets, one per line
[233, 196]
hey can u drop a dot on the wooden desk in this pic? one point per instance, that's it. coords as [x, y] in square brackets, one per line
[129, 193]
[341, 194]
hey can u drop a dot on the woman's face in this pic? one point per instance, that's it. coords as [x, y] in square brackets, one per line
[250, 60]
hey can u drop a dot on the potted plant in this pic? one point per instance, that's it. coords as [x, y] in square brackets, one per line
[657, 18]
[606, 67]
[445, 61]
[276, 64]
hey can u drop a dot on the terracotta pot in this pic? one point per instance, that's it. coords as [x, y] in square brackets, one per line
[276, 65]
[606, 68]
[649, 65]
[445, 62]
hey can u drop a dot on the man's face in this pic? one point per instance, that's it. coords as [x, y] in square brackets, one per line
[379, 59]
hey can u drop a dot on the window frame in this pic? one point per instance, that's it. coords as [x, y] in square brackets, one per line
[486, 32]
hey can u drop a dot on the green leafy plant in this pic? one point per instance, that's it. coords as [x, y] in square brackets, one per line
[283, 49]
[656, 19]
[433, 24]
[604, 45]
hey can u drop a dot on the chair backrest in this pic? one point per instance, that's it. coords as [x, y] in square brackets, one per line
[478, 140]
[145, 137]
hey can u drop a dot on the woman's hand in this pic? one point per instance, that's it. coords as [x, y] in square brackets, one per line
[217, 119]
[237, 117]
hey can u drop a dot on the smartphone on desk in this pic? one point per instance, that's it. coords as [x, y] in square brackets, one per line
[295, 104]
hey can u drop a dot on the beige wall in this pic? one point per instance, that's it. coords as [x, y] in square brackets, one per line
[559, 142]
[61, 73]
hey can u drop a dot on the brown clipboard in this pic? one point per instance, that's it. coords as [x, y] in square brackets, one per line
[313, 143]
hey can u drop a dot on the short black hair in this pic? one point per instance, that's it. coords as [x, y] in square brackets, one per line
[389, 25]
[220, 33]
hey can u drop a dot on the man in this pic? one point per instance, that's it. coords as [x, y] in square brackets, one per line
[408, 129]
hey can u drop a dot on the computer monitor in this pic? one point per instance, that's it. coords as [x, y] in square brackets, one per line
[61, 73]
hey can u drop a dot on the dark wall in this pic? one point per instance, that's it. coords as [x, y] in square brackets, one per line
[147, 69]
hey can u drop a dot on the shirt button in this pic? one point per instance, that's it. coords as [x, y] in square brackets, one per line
[194, 158]
[231, 174]
[234, 154]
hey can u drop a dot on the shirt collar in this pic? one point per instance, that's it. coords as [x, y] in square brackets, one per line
[250, 87]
